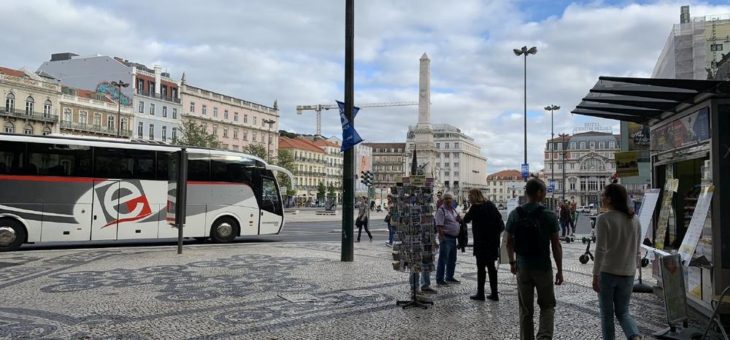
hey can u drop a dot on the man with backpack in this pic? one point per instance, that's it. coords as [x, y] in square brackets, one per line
[531, 231]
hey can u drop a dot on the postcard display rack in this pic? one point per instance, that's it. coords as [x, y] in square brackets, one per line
[412, 217]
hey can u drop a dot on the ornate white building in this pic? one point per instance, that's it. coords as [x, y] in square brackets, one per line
[586, 161]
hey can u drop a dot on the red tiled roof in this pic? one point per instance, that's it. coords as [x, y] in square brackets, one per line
[12, 72]
[323, 143]
[298, 144]
[505, 174]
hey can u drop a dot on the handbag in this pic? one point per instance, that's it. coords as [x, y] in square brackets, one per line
[387, 218]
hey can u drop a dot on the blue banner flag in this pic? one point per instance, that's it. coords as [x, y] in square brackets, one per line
[525, 171]
[350, 137]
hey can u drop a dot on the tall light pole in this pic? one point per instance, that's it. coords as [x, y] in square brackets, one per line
[119, 85]
[563, 139]
[518, 52]
[268, 146]
[552, 108]
[347, 253]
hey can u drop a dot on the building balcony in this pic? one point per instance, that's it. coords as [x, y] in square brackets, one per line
[95, 129]
[158, 96]
[37, 116]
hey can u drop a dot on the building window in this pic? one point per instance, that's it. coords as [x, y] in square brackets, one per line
[164, 111]
[205, 110]
[215, 130]
[82, 117]
[245, 119]
[140, 107]
[152, 132]
[192, 107]
[253, 136]
[215, 112]
[140, 86]
[152, 109]
[446, 145]
[67, 115]
[174, 113]
[716, 47]
[110, 122]
[164, 133]
[28, 130]
[235, 116]
[456, 145]
[97, 119]
[438, 145]
[9, 128]
[225, 114]
[29, 105]
[47, 108]
[582, 145]
[140, 127]
[10, 103]
[611, 144]
[254, 120]
[174, 134]
[235, 134]
[245, 136]
[225, 132]
[124, 124]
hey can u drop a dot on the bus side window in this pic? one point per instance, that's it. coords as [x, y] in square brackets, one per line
[199, 169]
[163, 165]
[11, 158]
[124, 164]
[220, 171]
[58, 160]
[269, 196]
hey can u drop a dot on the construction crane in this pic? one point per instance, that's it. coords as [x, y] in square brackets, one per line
[319, 107]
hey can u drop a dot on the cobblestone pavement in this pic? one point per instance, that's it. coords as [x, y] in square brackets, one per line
[268, 291]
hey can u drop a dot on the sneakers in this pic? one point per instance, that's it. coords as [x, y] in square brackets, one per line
[388, 244]
[453, 281]
[428, 290]
[493, 297]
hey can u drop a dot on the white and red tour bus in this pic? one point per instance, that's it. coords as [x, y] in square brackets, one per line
[57, 188]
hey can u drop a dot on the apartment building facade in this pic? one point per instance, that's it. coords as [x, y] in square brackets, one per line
[309, 167]
[31, 103]
[89, 113]
[503, 186]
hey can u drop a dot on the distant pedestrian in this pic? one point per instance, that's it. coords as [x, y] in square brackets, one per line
[362, 218]
[565, 219]
[617, 255]
[531, 231]
[447, 225]
[388, 221]
[486, 227]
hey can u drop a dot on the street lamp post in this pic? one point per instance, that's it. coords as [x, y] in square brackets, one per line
[268, 145]
[552, 108]
[518, 52]
[563, 138]
[119, 85]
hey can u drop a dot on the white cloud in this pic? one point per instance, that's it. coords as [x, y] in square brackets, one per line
[292, 51]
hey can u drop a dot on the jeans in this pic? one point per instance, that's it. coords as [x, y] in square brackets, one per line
[447, 259]
[391, 233]
[613, 299]
[528, 281]
[565, 225]
[425, 280]
[484, 264]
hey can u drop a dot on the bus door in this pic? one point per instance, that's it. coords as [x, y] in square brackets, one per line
[271, 212]
[105, 214]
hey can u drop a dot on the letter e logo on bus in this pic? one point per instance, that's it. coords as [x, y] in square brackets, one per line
[123, 202]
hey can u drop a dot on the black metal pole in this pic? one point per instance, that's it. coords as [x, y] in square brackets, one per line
[525, 116]
[119, 110]
[552, 156]
[348, 181]
[565, 145]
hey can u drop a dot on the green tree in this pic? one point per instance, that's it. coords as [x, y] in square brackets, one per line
[321, 191]
[285, 159]
[195, 134]
[331, 192]
[256, 150]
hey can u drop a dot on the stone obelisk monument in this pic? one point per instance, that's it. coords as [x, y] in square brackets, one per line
[423, 134]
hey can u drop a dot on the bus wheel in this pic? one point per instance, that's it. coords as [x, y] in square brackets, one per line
[225, 229]
[12, 234]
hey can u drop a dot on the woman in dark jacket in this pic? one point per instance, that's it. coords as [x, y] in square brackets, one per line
[487, 226]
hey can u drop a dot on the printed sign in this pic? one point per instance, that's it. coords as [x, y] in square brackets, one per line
[696, 224]
[627, 164]
[639, 136]
[350, 137]
[669, 189]
[648, 205]
[675, 298]
[525, 171]
[684, 131]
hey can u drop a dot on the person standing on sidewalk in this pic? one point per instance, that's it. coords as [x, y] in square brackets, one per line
[531, 231]
[448, 226]
[617, 256]
[362, 218]
[565, 219]
[486, 227]
[391, 229]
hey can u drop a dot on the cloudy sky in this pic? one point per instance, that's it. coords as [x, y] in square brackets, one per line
[293, 51]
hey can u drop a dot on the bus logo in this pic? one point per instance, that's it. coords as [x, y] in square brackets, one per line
[123, 202]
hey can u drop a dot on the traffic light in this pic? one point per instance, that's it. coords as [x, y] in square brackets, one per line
[366, 178]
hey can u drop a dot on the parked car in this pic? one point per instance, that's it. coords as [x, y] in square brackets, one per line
[584, 209]
[592, 209]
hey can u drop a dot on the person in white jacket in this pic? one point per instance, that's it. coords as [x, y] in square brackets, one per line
[617, 255]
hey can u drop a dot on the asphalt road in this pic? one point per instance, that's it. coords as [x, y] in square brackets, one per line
[292, 232]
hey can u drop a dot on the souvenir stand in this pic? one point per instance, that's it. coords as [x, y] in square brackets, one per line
[412, 218]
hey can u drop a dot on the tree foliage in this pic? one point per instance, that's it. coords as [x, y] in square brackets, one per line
[321, 191]
[256, 150]
[285, 159]
[195, 134]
